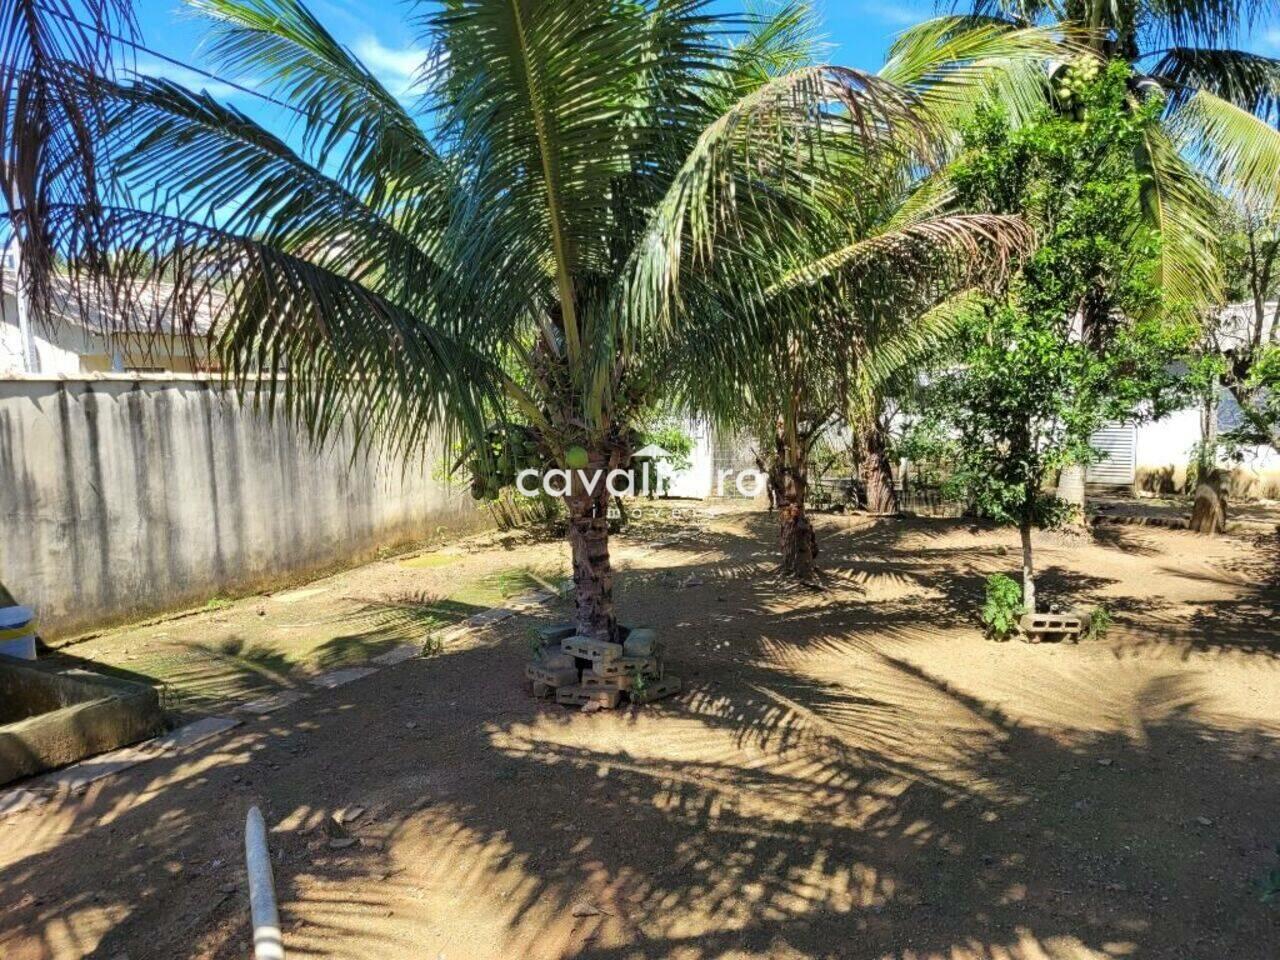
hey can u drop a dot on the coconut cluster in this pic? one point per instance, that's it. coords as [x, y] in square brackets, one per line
[1072, 82]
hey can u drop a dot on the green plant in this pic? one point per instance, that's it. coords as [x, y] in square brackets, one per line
[1083, 334]
[1216, 106]
[670, 434]
[1098, 624]
[1003, 606]
[433, 644]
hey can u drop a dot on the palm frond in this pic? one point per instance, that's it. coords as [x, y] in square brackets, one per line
[912, 339]
[1251, 81]
[348, 113]
[973, 243]
[956, 63]
[329, 345]
[1238, 150]
[1182, 206]
[1195, 22]
[204, 158]
[798, 139]
[51, 54]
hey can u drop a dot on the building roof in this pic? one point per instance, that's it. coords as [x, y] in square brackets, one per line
[151, 308]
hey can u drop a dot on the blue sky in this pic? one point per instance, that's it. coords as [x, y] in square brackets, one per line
[382, 35]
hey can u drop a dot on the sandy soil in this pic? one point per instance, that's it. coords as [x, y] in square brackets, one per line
[855, 773]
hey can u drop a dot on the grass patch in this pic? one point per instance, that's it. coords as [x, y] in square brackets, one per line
[493, 589]
[428, 561]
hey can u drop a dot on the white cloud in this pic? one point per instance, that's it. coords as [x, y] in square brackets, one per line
[1272, 38]
[397, 67]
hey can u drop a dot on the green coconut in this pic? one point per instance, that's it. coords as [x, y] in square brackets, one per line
[575, 458]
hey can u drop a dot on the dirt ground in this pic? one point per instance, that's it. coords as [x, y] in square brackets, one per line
[853, 773]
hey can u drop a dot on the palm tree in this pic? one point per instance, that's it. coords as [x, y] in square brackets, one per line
[860, 294]
[868, 298]
[590, 182]
[1222, 107]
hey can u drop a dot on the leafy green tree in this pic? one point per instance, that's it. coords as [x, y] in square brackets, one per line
[1218, 109]
[1025, 390]
[1241, 340]
[1217, 136]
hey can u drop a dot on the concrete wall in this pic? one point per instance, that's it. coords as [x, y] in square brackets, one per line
[1166, 447]
[124, 496]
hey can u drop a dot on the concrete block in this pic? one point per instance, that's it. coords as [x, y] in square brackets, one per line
[553, 678]
[640, 642]
[17, 800]
[577, 696]
[1051, 626]
[58, 715]
[80, 775]
[597, 651]
[486, 617]
[553, 658]
[555, 632]
[628, 666]
[196, 732]
[593, 681]
[265, 705]
[656, 690]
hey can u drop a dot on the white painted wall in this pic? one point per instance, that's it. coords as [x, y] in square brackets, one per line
[1169, 441]
[60, 358]
[696, 480]
[1166, 446]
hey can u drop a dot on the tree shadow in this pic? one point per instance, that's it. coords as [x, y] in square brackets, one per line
[822, 788]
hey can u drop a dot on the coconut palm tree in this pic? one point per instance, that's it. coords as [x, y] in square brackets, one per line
[863, 292]
[849, 308]
[579, 172]
[51, 133]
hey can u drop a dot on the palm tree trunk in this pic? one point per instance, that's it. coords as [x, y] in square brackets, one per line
[1071, 490]
[796, 538]
[795, 533]
[1207, 456]
[873, 465]
[589, 543]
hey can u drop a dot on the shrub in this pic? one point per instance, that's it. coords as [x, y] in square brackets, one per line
[1099, 623]
[1003, 607]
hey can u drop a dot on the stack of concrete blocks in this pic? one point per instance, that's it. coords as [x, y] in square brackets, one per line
[580, 671]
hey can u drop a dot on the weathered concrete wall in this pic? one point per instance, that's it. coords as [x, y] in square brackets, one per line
[125, 496]
[1166, 448]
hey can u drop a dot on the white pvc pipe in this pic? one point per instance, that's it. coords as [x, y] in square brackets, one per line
[267, 942]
